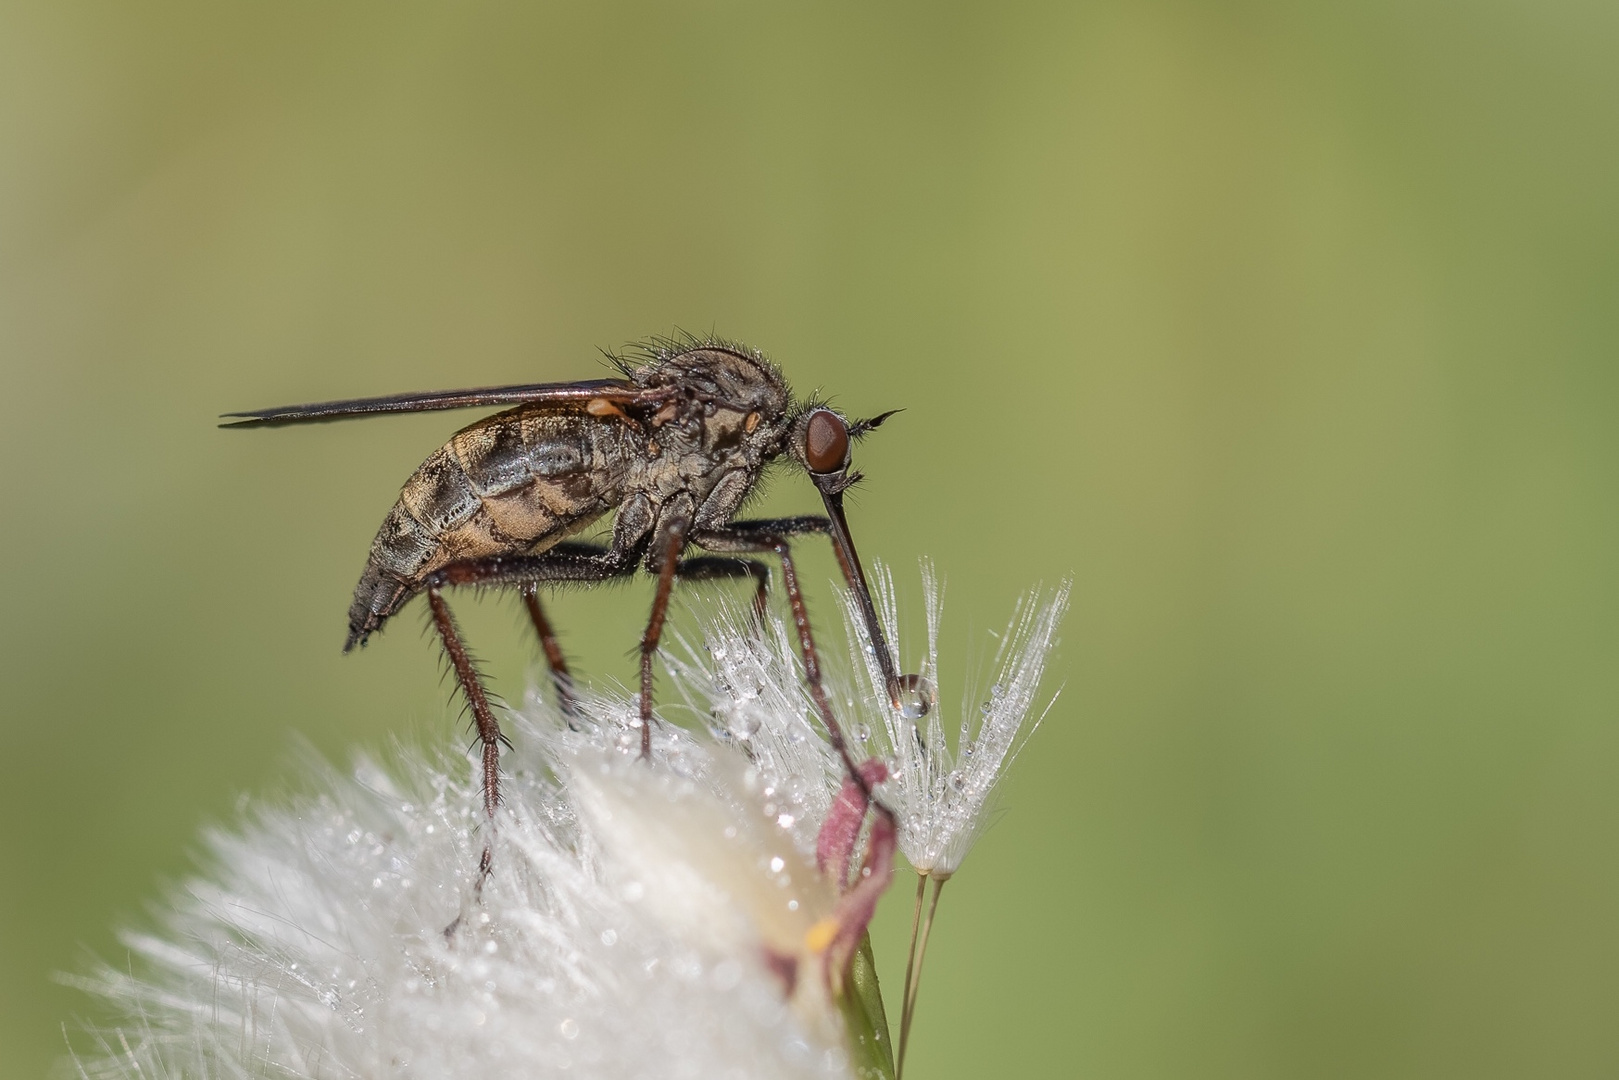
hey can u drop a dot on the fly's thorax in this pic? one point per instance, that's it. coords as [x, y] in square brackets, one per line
[703, 456]
[714, 436]
[745, 381]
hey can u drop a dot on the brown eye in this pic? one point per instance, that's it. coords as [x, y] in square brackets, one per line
[826, 441]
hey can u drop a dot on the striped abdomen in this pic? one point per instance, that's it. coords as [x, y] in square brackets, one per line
[515, 483]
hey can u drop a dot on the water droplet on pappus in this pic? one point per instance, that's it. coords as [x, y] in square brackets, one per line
[916, 697]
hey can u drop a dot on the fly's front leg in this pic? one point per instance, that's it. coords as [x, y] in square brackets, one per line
[550, 644]
[756, 539]
[760, 535]
[766, 528]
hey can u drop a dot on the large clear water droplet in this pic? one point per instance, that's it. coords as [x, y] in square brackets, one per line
[916, 696]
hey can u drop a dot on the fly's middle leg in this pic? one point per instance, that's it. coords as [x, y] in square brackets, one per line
[670, 562]
[573, 561]
[555, 660]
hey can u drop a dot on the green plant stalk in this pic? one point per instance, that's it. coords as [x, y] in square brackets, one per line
[865, 1021]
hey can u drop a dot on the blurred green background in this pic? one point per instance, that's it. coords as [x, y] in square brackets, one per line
[1289, 330]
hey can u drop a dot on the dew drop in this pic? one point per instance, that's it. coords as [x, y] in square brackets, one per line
[862, 732]
[569, 1028]
[916, 696]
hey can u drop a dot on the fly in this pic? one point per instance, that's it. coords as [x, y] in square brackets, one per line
[671, 448]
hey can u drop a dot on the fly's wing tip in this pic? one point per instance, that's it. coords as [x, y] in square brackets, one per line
[244, 419]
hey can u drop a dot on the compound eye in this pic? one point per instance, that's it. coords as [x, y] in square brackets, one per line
[826, 441]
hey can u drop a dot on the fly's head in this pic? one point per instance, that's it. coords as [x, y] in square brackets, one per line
[822, 442]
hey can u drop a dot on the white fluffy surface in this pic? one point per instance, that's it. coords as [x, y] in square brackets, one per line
[626, 928]
[942, 783]
[315, 946]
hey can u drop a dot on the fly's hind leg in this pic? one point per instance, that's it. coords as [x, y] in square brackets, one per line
[588, 562]
[565, 562]
[483, 715]
[574, 562]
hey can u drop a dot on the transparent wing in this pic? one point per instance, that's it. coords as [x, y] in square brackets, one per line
[577, 394]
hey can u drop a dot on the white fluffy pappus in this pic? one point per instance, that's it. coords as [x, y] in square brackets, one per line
[641, 922]
[943, 790]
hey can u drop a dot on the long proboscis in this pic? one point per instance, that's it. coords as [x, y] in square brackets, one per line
[855, 575]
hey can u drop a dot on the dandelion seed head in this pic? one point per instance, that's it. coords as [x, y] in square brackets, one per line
[942, 789]
[691, 916]
[623, 933]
